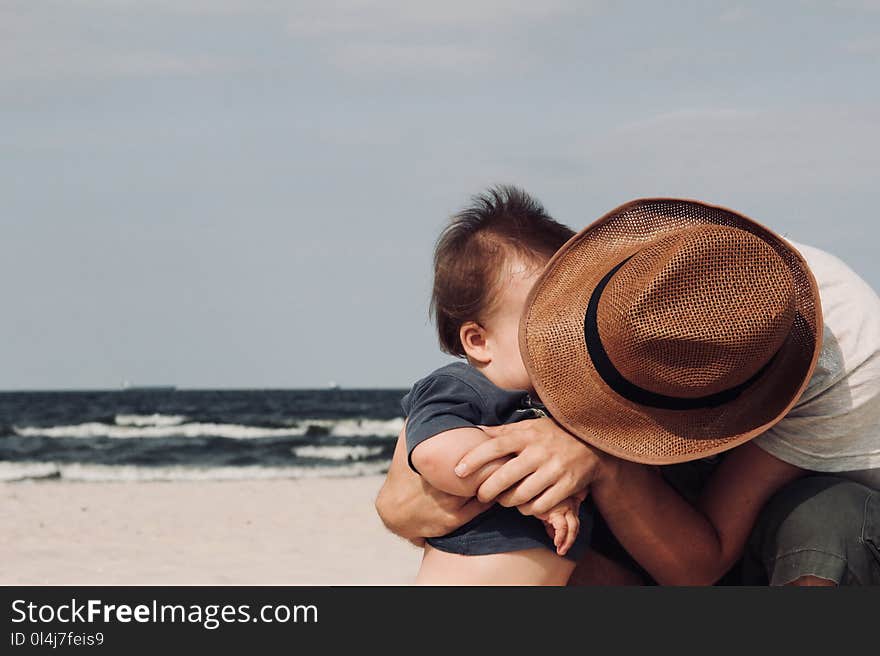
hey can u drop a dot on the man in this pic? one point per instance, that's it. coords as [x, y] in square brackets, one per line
[707, 342]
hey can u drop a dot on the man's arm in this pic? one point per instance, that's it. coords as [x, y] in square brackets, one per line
[413, 509]
[675, 542]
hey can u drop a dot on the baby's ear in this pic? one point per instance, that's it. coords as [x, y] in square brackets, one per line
[473, 339]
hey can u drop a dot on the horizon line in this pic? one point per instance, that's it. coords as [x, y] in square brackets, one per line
[158, 389]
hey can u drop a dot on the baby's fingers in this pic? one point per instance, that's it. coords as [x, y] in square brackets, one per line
[561, 526]
[572, 528]
[559, 539]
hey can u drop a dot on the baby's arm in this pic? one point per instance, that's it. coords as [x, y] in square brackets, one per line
[436, 457]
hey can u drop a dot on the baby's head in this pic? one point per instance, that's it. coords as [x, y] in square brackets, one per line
[485, 264]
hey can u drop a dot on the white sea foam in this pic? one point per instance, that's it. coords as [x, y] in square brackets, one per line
[363, 427]
[149, 420]
[336, 427]
[354, 452]
[96, 429]
[23, 471]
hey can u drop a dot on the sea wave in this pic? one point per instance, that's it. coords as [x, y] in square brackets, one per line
[154, 419]
[335, 427]
[355, 452]
[35, 471]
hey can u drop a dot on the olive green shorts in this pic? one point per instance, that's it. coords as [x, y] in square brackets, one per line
[820, 525]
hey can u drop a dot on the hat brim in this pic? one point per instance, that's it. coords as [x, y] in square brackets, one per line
[553, 347]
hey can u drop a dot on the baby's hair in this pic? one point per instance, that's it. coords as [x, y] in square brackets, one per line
[472, 251]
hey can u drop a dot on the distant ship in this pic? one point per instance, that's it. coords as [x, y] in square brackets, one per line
[128, 387]
[333, 385]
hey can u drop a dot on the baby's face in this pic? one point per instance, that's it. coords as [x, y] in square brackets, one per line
[502, 326]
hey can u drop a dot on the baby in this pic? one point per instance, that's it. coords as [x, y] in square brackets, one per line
[485, 264]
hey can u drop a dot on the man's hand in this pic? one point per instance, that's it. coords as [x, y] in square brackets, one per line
[549, 465]
[413, 509]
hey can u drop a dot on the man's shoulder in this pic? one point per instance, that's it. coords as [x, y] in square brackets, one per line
[850, 307]
[851, 331]
[835, 278]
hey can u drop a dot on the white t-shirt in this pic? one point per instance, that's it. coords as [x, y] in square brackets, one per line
[835, 426]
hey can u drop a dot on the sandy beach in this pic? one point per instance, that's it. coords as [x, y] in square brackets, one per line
[319, 531]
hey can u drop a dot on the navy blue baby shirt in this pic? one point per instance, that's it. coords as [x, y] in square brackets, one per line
[459, 396]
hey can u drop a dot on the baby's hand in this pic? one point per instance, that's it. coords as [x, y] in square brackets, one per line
[562, 523]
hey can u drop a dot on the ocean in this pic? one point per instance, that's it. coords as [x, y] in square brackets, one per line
[169, 435]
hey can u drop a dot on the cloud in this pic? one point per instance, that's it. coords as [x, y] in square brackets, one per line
[188, 7]
[711, 152]
[864, 5]
[390, 17]
[324, 16]
[390, 58]
[89, 39]
[377, 37]
[738, 14]
[809, 148]
[131, 38]
[691, 116]
[863, 46]
[96, 63]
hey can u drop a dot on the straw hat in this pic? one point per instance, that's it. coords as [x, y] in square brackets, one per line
[670, 330]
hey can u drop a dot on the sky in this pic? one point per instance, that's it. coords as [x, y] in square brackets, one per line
[246, 193]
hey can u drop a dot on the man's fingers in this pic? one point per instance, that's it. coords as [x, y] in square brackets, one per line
[548, 499]
[510, 473]
[477, 457]
[493, 431]
[527, 489]
[483, 454]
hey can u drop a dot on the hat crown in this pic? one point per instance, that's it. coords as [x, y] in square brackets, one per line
[697, 312]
